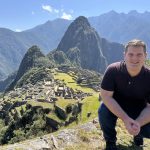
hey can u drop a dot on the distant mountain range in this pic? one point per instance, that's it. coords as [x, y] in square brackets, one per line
[13, 45]
[115, 27]
[121, 27]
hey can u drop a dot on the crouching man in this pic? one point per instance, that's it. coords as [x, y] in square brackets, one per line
[125, 92]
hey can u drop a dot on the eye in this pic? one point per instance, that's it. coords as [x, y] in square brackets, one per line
[139, 55]
[130, 55]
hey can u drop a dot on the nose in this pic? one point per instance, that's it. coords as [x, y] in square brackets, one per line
[135, 58]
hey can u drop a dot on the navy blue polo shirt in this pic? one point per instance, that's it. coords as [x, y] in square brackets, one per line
[131, 93]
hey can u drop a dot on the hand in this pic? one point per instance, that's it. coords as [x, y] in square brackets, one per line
[132, 126]
[136, 128]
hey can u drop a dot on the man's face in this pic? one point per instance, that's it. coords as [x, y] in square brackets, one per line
[135, 58]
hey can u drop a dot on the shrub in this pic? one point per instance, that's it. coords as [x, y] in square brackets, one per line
[69, 109]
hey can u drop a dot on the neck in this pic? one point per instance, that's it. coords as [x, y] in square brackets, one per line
[133, 72]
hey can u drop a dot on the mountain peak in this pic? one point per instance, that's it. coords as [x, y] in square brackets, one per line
[81, 21]
[133, 12]
[29, 60]
[34, 51]
[82, 40]
[112, 12]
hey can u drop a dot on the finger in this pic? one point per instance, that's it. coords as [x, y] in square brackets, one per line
[135, 126]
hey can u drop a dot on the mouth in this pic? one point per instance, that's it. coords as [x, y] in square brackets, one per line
[134, 63]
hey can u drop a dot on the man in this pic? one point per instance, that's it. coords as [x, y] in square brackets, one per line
[125, 92]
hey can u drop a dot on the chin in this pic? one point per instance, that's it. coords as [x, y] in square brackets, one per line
[135, 67]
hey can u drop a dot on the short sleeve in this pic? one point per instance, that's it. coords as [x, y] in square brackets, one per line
[108, 81]
[148, 100]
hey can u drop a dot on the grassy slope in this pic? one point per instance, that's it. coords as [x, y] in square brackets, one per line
[93, 140]
[90, 104]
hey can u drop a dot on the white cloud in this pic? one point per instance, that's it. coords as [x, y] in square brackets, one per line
[47, 8]
[50, 9]
[60, 12]
[66, 16]
[56, 11]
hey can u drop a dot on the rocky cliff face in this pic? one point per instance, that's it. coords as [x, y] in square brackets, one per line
[82, 37]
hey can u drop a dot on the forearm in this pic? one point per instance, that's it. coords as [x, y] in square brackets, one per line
[131, 125]
[114, 107]
[144, 116]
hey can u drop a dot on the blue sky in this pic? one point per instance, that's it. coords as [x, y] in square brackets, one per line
[19, 15]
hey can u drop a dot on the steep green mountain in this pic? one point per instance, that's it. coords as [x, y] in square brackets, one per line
[74, 55]
[33, 58]
[58, 58]
[82, 41]
[71, 58]
[86, 49]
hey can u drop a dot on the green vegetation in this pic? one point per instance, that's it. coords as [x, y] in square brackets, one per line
[70, 82]
[93, 140]
[74, 55]
[42, 104]
[147, 62]
[32, 60]
[64, 102]
[33, 76]
[58, 57]
[23, 124]
[90, 105]
[36, 118]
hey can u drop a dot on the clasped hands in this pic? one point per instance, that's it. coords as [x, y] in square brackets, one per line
[132, 126]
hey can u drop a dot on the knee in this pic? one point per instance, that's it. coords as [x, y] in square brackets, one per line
[103, 114]
[106, 116]
[145, 131]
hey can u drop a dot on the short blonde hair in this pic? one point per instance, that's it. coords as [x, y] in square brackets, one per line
[135, 43]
